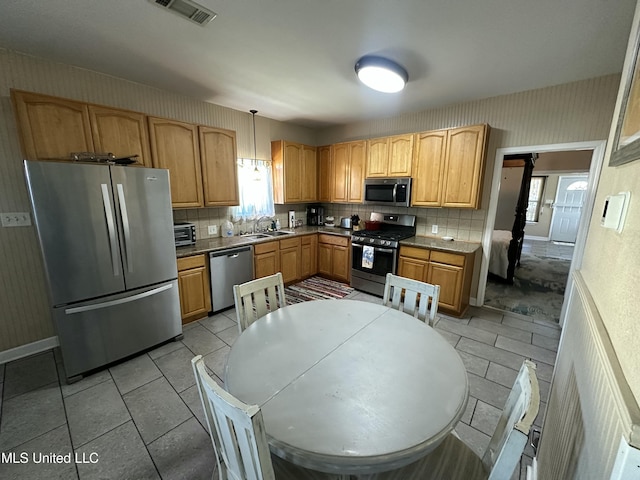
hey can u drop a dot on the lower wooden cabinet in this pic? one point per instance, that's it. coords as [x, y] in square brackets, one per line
[193, 285]
[266, 259]
[333, 257]
[452, 271]
[309, 258]
[290, 259]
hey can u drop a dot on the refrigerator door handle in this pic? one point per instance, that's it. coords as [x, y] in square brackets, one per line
[120, 301]
[113, 242]
[125, 226]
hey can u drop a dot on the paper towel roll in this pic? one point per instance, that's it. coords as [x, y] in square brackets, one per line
[292, 218]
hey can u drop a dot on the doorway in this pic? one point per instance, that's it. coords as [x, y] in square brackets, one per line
[597, 158]
[567, 208]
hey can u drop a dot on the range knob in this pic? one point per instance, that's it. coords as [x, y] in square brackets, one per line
[371, 240]
[387, 242]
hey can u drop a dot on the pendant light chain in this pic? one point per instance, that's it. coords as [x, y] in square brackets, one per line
[255, 147]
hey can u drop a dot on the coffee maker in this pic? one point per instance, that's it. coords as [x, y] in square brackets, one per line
[315, 215]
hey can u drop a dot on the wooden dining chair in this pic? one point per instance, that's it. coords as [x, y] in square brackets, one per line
[238, 436]
[258, 297]
[454, 460]
[416, 297]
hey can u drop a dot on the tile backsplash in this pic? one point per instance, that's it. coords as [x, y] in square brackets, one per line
[461, 224]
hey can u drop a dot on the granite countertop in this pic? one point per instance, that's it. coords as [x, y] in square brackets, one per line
[212, 244]
[436, 243]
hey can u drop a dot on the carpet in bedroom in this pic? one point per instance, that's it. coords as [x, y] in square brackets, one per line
[537, 290]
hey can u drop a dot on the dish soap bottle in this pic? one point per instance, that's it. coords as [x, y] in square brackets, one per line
[277, 224]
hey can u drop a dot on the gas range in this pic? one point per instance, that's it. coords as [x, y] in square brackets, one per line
[393, 228]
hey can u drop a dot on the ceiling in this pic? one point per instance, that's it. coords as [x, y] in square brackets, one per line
[293, 60]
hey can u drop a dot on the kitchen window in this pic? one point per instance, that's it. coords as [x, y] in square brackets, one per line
[255, 186]
[536, 188]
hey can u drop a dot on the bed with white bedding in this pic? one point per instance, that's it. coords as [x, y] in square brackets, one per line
[499, 258]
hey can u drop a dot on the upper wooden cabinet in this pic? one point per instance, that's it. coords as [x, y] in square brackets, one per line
[448, 167]
[174, 146]
[295, 170]
[348, 166]
[120, 132]
[219, 169]
[390, 156]
[51, 127]
[324, 174]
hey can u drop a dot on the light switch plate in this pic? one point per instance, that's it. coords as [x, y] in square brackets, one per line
[15, 219]
[434, 228]
[213, 229]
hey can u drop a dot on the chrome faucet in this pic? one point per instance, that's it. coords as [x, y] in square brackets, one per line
[256, 224]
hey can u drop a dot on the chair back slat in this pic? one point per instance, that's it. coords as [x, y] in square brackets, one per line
[236, 429]
[510, 436]
[420, 298]
[258, 297]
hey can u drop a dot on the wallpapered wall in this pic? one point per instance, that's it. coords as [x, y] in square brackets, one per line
[573, 112]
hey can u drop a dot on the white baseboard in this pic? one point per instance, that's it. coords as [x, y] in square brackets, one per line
[28, 349]
[533, 237]
[532, 470]
[473, 301]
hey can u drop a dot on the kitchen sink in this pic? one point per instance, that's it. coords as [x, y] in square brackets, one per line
[278, 233]
[255, 236]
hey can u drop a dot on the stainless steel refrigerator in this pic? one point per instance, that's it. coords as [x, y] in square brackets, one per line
[106, 234]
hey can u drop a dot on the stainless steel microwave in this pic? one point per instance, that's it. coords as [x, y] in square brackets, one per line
[388, 191]
[184, 234]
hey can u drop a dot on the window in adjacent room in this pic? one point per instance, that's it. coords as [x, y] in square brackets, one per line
[536, 187]
[256, 190]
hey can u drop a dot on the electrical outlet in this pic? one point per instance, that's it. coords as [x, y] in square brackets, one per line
[15, 219]
[434, 228]
[213, 229]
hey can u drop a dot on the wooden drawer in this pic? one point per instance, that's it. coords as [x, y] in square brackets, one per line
[308, 239]
[266, 247]
[333, 240]
[195, 261]
[447, 258]
[414, 252]
[289, 243]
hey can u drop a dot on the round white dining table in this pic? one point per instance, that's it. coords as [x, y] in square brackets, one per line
[348, 387]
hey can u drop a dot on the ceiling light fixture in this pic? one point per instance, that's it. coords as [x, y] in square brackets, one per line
[381, 74]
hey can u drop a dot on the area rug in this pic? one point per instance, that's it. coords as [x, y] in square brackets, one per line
[316, 288]
[537, 290]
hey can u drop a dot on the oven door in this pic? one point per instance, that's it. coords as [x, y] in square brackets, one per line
[384, 260]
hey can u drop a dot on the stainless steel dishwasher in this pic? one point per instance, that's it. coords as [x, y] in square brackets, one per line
[229, 267]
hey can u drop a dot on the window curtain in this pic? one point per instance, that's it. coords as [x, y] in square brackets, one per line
[255, 186]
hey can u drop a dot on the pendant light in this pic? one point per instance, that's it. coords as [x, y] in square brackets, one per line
[381, 74]
[256, 172]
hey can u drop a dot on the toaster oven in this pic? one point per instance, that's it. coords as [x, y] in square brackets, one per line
[184, 233]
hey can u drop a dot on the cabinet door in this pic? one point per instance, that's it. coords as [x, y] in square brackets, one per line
[340, 169]
[219, 169]
[266, 264]
[50, 127]
[413, 268]
[464, 166]
[309, 258]
[309, 174]
[341, 267]
[174, 146]
[120, 132]
[400, 156]
[428, 168]
[324, 174]
[292, 172]
[377, 157]
[357, 159]
[193, 285]
[325, 259]
[290, 264]
[449, 278]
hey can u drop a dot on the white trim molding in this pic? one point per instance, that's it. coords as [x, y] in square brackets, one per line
[28, 349]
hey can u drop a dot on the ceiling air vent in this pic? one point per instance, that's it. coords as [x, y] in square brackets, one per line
[187, 9]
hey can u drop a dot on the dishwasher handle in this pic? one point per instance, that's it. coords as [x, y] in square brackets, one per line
[231, 252]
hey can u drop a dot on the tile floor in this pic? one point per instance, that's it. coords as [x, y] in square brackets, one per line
[142, 419]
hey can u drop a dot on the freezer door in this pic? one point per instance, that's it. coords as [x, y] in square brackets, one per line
[145, 218]
[96, 333]
[75, 217]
